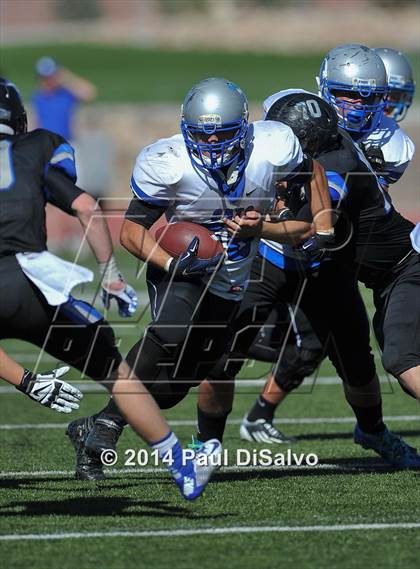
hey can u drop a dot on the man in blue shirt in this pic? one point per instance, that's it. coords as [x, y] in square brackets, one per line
[58, 97]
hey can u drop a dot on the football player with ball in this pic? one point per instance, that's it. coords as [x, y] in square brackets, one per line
[220, 172]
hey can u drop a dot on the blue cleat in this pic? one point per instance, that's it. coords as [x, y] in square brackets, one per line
[195, 474]
[391, 447]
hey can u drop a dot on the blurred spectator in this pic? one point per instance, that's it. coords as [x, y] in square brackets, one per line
[59, 94]
[95, 158]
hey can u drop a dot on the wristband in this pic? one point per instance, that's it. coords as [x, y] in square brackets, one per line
[326, 232]
[27, 377]
[168, 264]
[109, 271]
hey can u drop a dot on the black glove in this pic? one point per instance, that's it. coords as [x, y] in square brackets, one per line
[189, 266]
[318, 247]
[375, 157]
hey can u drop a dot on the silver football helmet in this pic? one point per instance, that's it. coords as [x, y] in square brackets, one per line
[400, 82]
[353, 80]
[218, 107]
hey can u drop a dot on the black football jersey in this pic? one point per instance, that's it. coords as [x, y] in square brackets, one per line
[380, 236]
[35, 168]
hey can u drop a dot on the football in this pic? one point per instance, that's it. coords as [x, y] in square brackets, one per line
[176, 237]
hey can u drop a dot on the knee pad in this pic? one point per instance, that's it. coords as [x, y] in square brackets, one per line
[168, 393]
[366, 395]
[295, 365]
[148, 357]
[152, 363]
[226, 368]
[396, 362]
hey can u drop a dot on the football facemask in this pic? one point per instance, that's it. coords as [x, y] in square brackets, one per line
[223, 151]
[357, 111]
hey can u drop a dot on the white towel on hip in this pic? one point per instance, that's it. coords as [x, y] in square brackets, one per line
[54, 277]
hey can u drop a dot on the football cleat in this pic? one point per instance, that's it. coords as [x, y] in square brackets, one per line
[87, 467]
[391, 447]
[261, 431]
[103, 435]
[194, 476]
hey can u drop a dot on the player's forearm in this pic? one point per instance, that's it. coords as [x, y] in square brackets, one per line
[10, 370]
[140, 243]
[287, 232]
[95, 227]
[320, 199]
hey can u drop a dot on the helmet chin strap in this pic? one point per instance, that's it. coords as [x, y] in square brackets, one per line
[6, 129]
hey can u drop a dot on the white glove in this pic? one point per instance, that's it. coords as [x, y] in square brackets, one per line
[48, 390]
[126, 299]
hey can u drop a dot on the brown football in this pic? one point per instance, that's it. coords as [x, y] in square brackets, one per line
[176, 237]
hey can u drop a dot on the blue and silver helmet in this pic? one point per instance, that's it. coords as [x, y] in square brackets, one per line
[353, 80]
[215, 106]
[400, 82]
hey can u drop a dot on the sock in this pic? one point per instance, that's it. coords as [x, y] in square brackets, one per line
[211, 426]
[170, 448]
[112, 413]
[262, 409]
[370, 419]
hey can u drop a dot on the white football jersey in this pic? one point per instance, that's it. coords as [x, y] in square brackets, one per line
[164, 175]
[396, 146]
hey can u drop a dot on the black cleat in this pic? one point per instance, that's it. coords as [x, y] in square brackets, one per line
[103, 436]
[87, 467]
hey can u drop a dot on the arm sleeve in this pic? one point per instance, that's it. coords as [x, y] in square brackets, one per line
[60, 190]
[143, 213]
[60, 155]
[337, 187]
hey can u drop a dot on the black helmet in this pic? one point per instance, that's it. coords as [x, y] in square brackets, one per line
[12, 111]
[314, 122]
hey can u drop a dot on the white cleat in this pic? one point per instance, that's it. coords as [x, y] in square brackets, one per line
[261, 431]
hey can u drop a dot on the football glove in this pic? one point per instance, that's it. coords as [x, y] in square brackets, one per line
[375, 157]
[126, 299]
[50, 391]
[189, 266]
[317, 247]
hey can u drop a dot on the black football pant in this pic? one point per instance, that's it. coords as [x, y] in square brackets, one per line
[330, 299]
[397, 318]
[188, 334]
[63, 332]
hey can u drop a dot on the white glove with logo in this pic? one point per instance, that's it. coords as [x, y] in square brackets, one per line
[50, 391]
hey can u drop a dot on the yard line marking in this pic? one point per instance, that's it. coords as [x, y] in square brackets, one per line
[89, 386]
[205, 531]
[349, 467]
[188, 422]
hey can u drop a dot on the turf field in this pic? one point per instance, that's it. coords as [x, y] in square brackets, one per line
[148, 75]
[347, 511]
